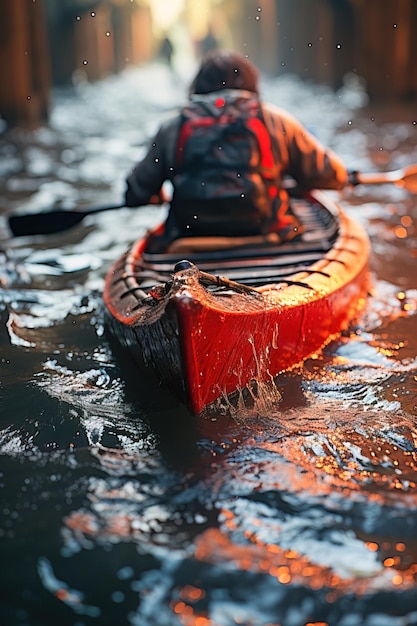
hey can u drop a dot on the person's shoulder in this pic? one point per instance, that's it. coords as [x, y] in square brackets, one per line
[278, 112]
[171, 118]
[170, 122]
[282, 119]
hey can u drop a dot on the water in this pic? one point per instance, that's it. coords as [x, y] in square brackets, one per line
[116, 506]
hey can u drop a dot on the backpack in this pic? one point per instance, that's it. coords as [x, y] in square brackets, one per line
[226, 176]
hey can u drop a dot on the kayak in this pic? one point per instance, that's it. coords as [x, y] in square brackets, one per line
[210, 322]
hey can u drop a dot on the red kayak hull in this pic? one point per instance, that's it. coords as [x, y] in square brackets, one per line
[207, 345]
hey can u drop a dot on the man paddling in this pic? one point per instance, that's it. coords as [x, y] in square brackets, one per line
[226, 154]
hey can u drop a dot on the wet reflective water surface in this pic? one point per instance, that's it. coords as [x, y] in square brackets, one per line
[116, 506]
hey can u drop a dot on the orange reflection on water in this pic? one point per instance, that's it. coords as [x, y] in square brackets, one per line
[83, 523]
[401, 232]
[289, 566]
[189, 617]
[181, 608]
[342, 462]
[406, 221]
[192, 594]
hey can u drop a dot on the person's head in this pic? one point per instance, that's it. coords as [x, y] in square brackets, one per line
[222, 69]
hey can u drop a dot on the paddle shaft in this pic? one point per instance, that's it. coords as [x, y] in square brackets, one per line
[405, 178]
[57, 220]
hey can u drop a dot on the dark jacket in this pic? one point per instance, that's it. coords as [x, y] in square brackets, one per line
[300, 155]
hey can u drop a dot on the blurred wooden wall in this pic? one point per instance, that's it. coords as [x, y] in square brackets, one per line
[46, 42]
[313, 39]
[53, 42]
[96, 39]
[323, 40]
[24, 62]
[386, 47]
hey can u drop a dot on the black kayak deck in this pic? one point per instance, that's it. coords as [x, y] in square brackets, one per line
[259, 265]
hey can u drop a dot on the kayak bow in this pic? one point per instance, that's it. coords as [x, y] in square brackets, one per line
[211, 325]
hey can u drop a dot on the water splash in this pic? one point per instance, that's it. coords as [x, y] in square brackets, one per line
[98, 401]
[71, 597]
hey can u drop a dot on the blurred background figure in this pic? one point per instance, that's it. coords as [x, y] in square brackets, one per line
[166, 51]
[208, 43]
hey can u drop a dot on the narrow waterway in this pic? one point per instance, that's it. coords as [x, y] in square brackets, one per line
[116, 507]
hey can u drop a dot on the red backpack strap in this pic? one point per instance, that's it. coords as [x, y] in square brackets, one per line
[183, 135]
[268, 120]
[257, 126]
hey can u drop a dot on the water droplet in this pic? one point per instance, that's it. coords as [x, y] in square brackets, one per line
[125, 573]
[118, 596]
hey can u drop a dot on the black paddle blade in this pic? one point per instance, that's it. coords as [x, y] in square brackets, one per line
[44, 223]
[53, 221]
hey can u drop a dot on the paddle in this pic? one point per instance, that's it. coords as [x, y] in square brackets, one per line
[405, 178]
[52, 221]
[57, 220]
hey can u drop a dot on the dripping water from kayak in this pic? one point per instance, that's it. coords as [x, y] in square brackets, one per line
[116, 505]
